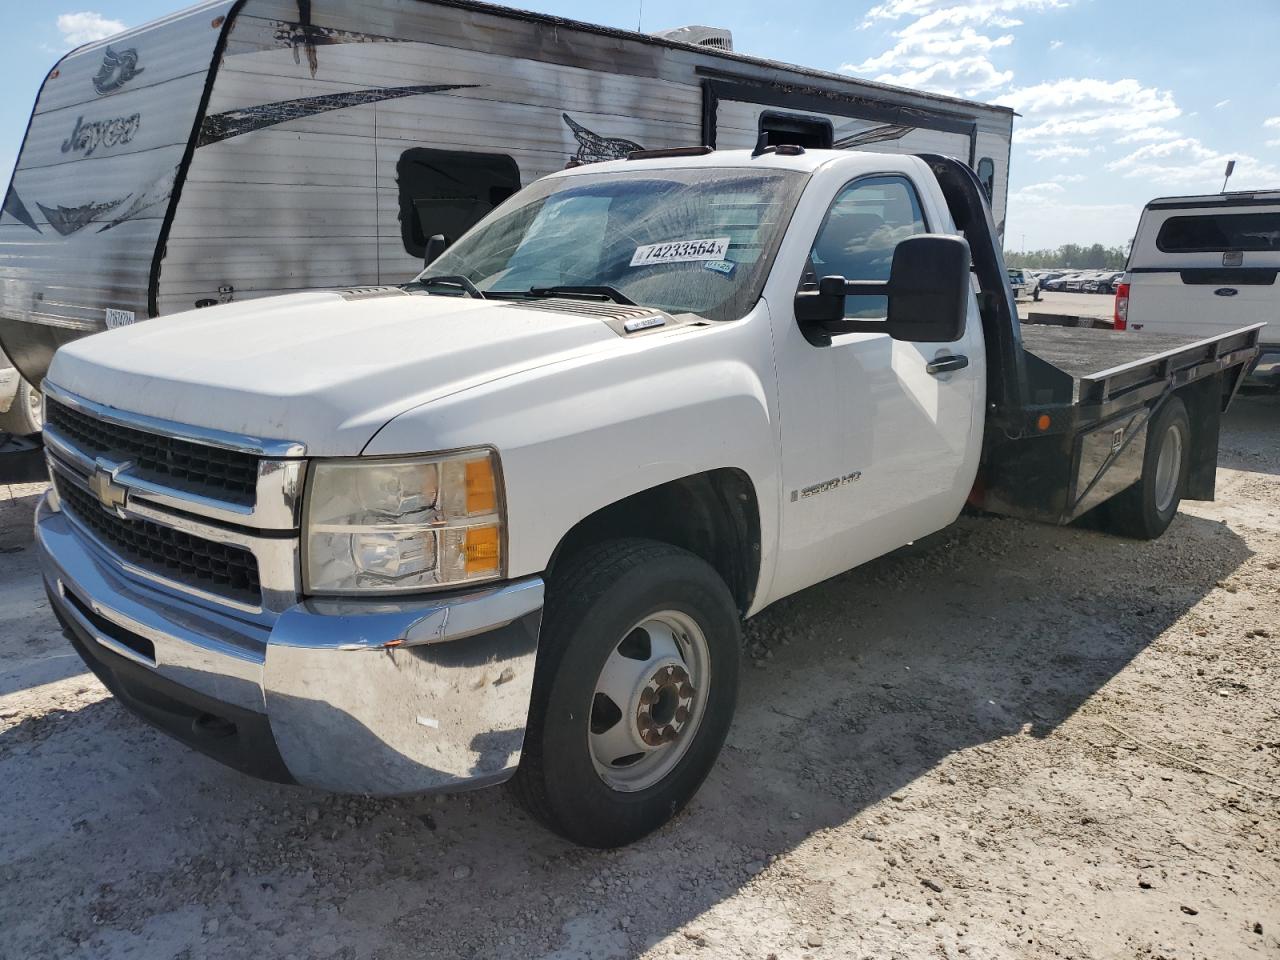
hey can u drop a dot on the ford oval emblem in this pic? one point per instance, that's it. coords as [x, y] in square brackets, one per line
[1225, 292]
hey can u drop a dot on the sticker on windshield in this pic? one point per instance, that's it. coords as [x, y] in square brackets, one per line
[681, 251]
[725, 267]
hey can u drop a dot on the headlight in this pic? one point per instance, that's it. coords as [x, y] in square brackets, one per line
[394, 526]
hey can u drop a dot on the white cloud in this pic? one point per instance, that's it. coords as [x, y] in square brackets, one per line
[1039, 189]
[86, 27]
[946, 46]
[1272, 122]
[1088, 107]
[1221, 103]
[1061, 151]
[1188, 162]
[1149, 133]
[1069, 178]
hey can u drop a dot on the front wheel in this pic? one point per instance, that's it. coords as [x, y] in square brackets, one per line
[26, 414]
[1146, 509]
[635, 689]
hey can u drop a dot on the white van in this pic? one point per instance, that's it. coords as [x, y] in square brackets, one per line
[1202, 265]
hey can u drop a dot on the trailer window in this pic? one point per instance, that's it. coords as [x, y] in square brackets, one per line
[1214, 232]
[813, 133]
[448, 191]
[866, 222]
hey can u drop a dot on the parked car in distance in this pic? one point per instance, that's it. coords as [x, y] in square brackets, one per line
[1024, 284]
[1204, 264]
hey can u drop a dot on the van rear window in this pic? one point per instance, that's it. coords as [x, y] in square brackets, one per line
[1220, 231]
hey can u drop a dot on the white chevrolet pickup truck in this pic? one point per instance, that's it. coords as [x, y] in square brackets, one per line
[504, 521]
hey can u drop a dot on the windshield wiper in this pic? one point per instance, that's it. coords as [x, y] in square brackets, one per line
[453, 280]
[597, 292]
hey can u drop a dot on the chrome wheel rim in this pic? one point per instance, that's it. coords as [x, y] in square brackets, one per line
[1168, 468]
[35, 406]
[648, 701]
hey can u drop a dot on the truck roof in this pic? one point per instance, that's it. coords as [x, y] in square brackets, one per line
[805, 161]
[1236, 198]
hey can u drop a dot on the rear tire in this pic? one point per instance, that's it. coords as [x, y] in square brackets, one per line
[594, 649]
[1146, 509]
[25, 415]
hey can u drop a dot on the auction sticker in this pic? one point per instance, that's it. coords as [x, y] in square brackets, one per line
[681, 251]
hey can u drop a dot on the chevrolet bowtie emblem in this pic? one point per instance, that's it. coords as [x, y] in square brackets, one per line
[102, 484]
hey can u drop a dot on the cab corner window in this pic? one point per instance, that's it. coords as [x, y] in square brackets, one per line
[447, 191]
[865, 224]
[987, 176]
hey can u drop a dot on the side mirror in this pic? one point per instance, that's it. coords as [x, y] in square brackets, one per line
[928, 291]
[436, 245]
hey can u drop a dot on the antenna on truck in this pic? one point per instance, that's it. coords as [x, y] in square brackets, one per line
[1231, 168]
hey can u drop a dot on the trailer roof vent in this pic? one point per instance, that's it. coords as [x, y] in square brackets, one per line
[717, 38]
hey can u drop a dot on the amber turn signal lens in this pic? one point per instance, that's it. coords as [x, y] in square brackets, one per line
[482, 550]
[482, 490]
[1042, 424]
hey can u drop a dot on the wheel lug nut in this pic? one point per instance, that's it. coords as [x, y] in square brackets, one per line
[686, 691]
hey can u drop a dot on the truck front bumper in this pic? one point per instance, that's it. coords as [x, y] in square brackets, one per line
[355, 696]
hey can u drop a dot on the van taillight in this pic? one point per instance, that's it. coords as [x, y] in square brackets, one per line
[1120, 321]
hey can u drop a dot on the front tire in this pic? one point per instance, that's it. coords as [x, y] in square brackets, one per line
[25, 415]
[635, 689]
[1145, 510]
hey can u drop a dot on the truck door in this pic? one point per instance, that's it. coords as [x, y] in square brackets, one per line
[877, 450]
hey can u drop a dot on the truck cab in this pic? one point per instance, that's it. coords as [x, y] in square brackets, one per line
[503, 521]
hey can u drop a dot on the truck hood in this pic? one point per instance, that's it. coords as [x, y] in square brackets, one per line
[326, 368]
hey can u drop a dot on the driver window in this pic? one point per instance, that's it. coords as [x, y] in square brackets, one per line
[867, 220]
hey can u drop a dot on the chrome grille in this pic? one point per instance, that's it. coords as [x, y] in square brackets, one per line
[216, 567]
[209, 471]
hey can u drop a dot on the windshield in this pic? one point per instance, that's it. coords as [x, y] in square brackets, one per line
[686, 241]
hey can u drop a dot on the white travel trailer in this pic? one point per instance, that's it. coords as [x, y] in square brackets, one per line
[250, 147]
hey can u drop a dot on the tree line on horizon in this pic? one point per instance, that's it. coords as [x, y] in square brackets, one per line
[1070, 255]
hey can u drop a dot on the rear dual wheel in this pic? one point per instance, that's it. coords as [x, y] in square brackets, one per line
[1145, 510]
[634, 693]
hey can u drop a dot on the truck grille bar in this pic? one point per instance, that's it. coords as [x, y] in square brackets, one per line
[209, 471]
[217, 567]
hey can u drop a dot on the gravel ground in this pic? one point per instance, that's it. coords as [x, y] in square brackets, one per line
[1011, 741]
[1100, 305]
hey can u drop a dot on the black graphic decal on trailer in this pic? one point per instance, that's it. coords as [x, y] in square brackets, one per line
[14, 206]
[67, 220]
[298, 36]
[880, 134]
[150, 201]
[118, 68]
[235, 123]
[593, 148]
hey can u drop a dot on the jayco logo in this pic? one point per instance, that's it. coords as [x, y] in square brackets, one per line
[88, 137]
[117, 69]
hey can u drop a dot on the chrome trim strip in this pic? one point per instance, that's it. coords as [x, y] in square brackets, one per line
[240, 443]
[279, 569]
[277, 502]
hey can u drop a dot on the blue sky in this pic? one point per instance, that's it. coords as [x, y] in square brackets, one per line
[1121, 100]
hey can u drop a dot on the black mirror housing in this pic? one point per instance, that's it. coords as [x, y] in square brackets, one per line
[928, 291]
[436, 245]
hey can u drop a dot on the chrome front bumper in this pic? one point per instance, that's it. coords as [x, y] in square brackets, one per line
[354, 696]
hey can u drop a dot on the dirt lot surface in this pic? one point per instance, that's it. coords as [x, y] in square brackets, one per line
[1100, 305]
[1013, 741]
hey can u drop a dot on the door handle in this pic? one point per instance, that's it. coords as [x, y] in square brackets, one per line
[947, 364]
